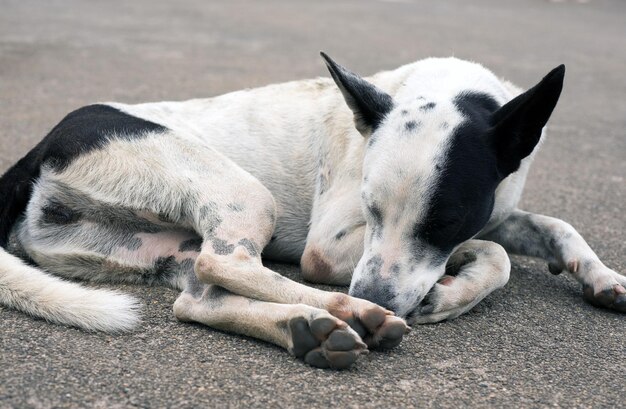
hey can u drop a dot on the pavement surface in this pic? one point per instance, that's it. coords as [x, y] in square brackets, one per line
[534, 343]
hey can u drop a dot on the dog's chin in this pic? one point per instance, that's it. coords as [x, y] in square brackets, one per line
[419, 308]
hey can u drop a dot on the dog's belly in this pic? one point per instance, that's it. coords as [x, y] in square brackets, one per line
[278, 150]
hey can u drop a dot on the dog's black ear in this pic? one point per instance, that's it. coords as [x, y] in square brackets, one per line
[368, 103]
[518, 124]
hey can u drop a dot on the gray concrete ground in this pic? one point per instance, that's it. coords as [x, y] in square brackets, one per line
[533, 344]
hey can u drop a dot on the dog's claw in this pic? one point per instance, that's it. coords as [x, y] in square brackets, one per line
[612, 298]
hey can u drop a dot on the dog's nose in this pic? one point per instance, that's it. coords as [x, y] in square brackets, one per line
[381, 295]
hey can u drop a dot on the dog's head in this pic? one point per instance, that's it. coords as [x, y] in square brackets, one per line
[430, 173]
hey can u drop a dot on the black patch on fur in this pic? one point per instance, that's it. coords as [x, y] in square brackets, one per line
[404, 112]
[80, 132]
[194, 286]
[57, 213]
[235, 207]
[164, 268]
[90, 128]
[210, 217]
[428, 106]
[118, 218]
[186, 266]
[456, 262]
[476, 105]
[373, 266]
[191, 245]
[464, 194]
[376, 213]
[222, 247]
[165, 218]
[411, 125]
[376, 219]
[250, 245]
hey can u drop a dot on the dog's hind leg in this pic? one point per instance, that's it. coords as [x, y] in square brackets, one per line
[564, 249]
[193, 188]
[308, 333]
[474, 270]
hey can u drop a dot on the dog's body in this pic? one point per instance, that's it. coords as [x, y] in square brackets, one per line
[188, 194]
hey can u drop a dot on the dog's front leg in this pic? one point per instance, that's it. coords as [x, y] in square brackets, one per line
[334, 244]
[564, 249]
[473, 271]
[245, 275]
[308, 333]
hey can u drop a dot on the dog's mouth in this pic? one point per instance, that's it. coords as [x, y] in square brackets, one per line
[421, 308]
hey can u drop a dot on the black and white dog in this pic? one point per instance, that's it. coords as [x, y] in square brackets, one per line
[414, 207]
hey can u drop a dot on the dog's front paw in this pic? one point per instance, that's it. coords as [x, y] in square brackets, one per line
[445, 301]
[324, 341]
[605, 288]
[378, 327]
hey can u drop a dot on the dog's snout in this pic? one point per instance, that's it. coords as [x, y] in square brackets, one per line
[381, 295]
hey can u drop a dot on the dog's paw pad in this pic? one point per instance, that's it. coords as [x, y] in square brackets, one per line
[373, 318]
[302, 337]
[341, 340]
[322, 326]
[316, 358]
[341, 359]
[325, 342]
[613, 298]
[384, 331]
[391, 333]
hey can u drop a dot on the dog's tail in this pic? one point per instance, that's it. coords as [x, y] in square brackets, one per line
[32, 290]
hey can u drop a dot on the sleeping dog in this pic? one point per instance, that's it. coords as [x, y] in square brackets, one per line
[403, 185]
